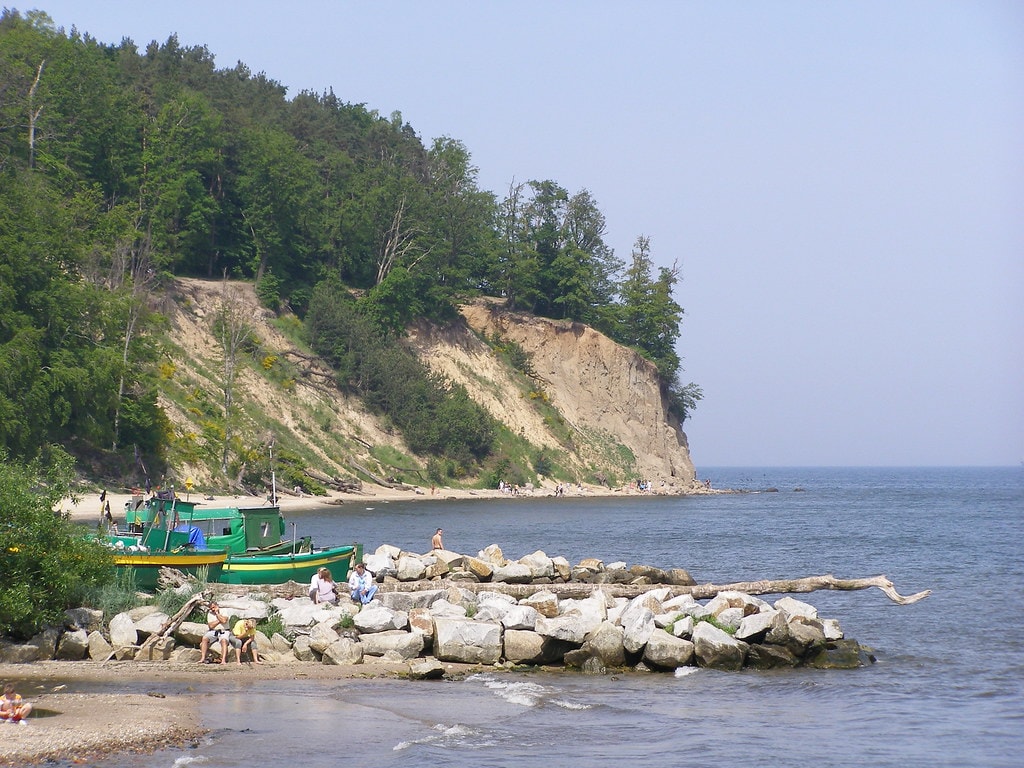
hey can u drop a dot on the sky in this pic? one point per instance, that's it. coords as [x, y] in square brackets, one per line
[840, 184]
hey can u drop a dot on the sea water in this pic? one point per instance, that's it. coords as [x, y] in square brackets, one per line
[947, 688]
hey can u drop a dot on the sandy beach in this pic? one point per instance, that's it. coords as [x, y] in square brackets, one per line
[88, 507]
[81, 727]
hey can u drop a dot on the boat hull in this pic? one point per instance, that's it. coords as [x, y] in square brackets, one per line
[144, 567]
[277, 569]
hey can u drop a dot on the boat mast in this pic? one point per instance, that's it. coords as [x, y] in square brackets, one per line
[273, 476]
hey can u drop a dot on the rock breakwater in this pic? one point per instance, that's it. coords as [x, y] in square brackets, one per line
[446, 607]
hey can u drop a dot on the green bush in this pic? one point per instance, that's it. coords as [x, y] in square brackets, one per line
[48, 564]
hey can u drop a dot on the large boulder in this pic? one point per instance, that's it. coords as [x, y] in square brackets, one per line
[406, 601]
[716, 648]
[321, 636]
[408, 645]
[73, 645]
[841, 654]
[426, 669]
[637, 628]
[512, 573]
[122, 631]
[668, 651]
[755, 627]
[795, 607]
[464, 640]
[89, 619]
[770, 656]
[410, 568]
[344, 650]
[525, 647]
[544, 602]
[605, 643]
[520, 617]
[492, 554]
[540, 565]
[151, 624]
[99, 648]
[377, 618]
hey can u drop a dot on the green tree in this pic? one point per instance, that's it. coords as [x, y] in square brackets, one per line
[47, 562]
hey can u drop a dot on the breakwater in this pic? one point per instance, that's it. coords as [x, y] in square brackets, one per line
[446, 607]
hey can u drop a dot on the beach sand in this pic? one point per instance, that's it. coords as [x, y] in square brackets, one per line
[82, 727]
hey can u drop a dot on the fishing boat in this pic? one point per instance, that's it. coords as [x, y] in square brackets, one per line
[143, 567]
[253, 537]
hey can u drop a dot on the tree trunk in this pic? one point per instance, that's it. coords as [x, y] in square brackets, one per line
[699, 591]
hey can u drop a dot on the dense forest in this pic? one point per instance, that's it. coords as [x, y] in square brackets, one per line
[121, 168]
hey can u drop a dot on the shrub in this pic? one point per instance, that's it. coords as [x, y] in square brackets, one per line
[48, 564]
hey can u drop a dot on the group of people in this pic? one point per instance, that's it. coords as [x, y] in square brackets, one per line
[361, 586]
[241, 637]
[12, 708]
[323, 588]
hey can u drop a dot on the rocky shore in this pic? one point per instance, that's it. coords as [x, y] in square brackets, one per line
[439, 614]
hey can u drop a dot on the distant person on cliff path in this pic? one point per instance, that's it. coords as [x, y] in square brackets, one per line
[436, 542]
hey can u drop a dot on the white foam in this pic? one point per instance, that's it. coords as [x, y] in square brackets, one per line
[685, 671]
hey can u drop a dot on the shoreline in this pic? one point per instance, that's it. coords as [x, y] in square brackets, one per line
[87, 507]
[81, 727]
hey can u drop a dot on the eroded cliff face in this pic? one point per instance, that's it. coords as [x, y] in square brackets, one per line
[595, 403]
[608, 395]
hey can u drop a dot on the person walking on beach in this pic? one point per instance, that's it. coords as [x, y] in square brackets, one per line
[436, 542]
[12, 708]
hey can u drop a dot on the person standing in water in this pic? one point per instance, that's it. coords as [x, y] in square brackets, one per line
[436, 542]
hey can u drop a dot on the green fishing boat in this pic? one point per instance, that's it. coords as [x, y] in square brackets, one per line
[257, 550]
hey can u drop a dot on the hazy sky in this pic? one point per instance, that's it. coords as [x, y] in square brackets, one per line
[841, 183]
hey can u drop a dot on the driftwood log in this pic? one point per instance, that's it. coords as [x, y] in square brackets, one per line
[579, 589]
[699, 591]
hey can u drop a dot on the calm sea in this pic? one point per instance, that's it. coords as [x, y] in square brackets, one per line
[948, 688]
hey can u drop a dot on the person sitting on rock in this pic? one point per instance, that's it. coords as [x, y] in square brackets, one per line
[217, 630]
[322, 588]
[12, 708]
[244, 639]
[361, 584]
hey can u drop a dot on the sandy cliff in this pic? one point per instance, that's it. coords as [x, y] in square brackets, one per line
[595, 404]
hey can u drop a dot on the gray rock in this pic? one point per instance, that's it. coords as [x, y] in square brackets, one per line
[512, 573]
[444, 608]
[406, 601]
[667, 651]
[376, 618]
[89, 619]
[464, 640]
[280, 643]
[492, 554]
[122, 631]
[717, 649]
[426, 669]
[540, 565]
[520, 617]
[301, 649]
[321, 636]
[410, 568]
[755, 627]
[140, 612]
[796, 607]
[99, 648]
[408, 645]
[18, 653]
[479, 568]
[605, 643]
[73, 645]
[190, 633]
[150, 624]
[343, 651]
[637, 628]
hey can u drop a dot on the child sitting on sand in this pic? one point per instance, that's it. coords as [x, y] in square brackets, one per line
[12, 708]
